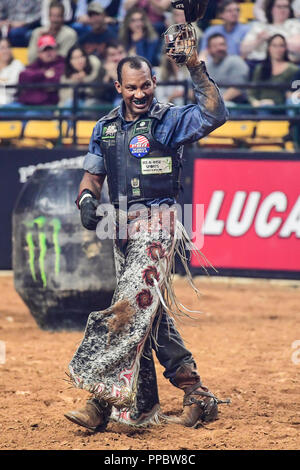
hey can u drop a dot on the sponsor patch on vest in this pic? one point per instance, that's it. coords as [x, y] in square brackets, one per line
[135, 182]
[139, 146]
[136, 191]
[142, 127]
[156, 166]
[109, 132]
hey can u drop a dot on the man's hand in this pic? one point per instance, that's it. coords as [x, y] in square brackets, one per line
[87, 203]
[193, 61]
[49, 73]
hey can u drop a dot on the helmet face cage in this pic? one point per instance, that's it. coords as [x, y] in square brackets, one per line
[180, 42]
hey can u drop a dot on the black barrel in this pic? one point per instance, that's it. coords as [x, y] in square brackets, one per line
[61, 270]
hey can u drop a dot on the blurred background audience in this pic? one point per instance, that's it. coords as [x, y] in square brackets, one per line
[18, 18]
[80, 68]
[46, 69]
[139, 37]
[69, 11]
[101, 31]
[82, 41]
[275, 69]
[233, 31]
[279, 20]
[169, 71]
[64, 35]
[155, 11]
[227, 69]
[10, 70]
[107, 92]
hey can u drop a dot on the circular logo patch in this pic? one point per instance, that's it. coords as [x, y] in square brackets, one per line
[139, 146]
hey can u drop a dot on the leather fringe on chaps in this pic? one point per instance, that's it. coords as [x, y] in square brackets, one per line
[109, 362]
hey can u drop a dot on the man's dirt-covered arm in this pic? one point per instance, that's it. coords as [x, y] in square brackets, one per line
[187, 124]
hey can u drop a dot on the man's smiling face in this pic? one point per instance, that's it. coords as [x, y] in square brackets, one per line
[137, 89]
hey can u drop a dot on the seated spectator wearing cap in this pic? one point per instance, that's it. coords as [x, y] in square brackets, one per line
[233, 31]
[114, 10]
[47, 69]
[94, 42]
[18, 18]
[225, 69]
[64, 35]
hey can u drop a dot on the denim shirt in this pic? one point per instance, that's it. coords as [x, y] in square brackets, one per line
[180, 124]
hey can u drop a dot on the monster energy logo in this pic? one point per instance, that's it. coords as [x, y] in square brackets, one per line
[40, 222]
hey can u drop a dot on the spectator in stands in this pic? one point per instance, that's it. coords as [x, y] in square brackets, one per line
[139, 37]
[233, 31]
[275, 69]
[47, 69]
[112, 10]
[115, 52]
[79, 68]
[18, 18]
[10, 69]
[64, 35]
[68, 11]
[155, 11]
[94, 41]
[169, 71]
[296, 8]
[210, 14]
[260, 14]
[279, 21]
[226, 69]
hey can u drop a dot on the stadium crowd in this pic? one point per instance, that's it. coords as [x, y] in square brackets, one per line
[81, 42]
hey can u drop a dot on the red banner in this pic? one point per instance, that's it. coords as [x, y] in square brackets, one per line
[251, 213]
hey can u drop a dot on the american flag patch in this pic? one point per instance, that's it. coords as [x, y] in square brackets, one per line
[139, 146]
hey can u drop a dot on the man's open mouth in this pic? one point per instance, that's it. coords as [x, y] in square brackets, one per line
[140, 102]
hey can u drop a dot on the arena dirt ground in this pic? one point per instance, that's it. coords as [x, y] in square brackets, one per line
[244, 344]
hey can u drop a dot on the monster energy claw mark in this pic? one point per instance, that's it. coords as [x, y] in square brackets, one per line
[40, 222]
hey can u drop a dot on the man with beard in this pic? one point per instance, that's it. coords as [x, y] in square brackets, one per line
[138, 147]
[227, 69]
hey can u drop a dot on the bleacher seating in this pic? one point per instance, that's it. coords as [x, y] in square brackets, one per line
[255, 135]
[271, 135]
[231, 134]
[21, 53]
[10, 130]
[43, 134]
[84, 131]
[246, 13]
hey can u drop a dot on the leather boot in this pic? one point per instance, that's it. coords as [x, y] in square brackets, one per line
[199, 404]
[94, 416]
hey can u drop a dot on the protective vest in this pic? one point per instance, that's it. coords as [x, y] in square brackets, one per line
[138, 166]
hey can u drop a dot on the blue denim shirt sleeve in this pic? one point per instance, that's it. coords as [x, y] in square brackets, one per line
[94, 161]
[186, 124]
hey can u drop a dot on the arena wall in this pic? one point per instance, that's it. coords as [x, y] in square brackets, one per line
[248, 221]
